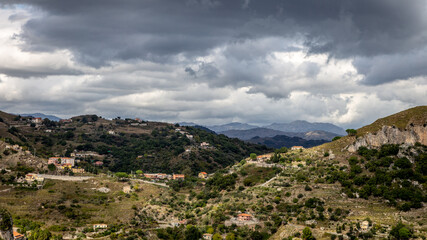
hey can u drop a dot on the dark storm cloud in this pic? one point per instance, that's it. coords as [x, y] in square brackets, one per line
[99, 32]
[37, 72]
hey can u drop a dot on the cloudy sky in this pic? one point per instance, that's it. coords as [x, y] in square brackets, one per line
[214, 61]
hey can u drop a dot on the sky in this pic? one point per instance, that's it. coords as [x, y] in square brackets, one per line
[345, 62]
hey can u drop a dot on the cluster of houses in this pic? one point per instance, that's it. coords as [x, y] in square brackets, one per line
[203, 145]
[65, 163]
[164, 176]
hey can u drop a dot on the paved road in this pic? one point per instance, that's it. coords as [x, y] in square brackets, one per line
[64, 178]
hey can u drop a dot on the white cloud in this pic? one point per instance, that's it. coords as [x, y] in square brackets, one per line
[261, 81]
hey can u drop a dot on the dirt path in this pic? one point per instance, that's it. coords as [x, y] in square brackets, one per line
[266, 183]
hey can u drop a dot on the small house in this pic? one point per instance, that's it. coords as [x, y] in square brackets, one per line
[99, 163]
[78, 170]
[65, 120]
[244, 217]
[364, 226]
[127, 189]
[37, 120]
[178, 176]
[100, 226]
[207, 236]
[18, 236]
[203, 175]
[31, 177]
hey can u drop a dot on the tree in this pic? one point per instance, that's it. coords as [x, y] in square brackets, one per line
[307, 235]
[217, 236]
[336, 138]
[39, 234]
[253, 156]
[139, 172]
[400, 232]
[192, 233]
[51, 167]
[351, 132]
[121, 175]
[230, 236]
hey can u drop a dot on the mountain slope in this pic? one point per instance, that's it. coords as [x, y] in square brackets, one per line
[285, 141]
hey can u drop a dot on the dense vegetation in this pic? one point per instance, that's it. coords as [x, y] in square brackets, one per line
[152, 147]
[381, 173]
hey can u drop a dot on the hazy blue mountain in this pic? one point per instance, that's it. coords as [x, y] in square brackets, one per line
[190, 124]
[267, 132]
[304, 126]
[250, 133]
[41, 115]
[285, 141]
[231, 126]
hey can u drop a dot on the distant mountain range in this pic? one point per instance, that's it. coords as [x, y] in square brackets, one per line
[298, 126]
[282, 134]
[41, 115]
[266, 132]
[231, 126]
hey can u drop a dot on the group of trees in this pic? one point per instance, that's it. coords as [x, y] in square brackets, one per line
[381, 173]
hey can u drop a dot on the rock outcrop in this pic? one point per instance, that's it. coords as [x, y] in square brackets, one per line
[392, 135]
[6, 225]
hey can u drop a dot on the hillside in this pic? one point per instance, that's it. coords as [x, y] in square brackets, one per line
[280, 141]
[127, 144]
[315, 193]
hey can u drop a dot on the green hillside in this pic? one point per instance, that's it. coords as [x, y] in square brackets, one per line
[126, 144]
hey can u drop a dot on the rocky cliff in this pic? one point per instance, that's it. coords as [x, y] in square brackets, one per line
[392, 135]
[6, 225]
